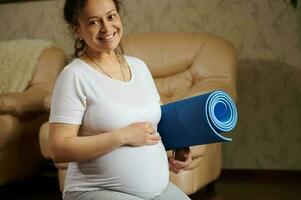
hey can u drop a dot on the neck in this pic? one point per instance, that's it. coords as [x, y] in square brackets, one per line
[101, 56]
[98, 61]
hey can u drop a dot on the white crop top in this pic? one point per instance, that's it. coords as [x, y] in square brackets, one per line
[84, 96]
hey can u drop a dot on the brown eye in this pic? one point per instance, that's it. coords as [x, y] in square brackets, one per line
[95, 22]
[111, 17]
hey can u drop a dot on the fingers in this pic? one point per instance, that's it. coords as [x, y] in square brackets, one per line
[145, 127]
[149, 128]
[172, 166]
[141, 133]
[151, 136]
[176, 165]
[153, 139]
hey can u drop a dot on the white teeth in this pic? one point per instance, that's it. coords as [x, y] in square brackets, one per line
[108, 37]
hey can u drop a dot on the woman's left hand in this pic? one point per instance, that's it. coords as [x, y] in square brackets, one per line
[180, 160]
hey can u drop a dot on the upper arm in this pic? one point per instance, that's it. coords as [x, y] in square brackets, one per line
[150, 80]
[58, 134]
[68, 103]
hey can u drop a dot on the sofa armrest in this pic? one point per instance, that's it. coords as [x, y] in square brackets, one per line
[31, 100]
[24, 103]
[209, 85]
[215, 67]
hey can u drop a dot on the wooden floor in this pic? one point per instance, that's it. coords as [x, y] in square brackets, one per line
[254, 185]
[231, 185]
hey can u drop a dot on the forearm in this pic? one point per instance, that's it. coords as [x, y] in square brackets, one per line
[76, 148]
[67, 146]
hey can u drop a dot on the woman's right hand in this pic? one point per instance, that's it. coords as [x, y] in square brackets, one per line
[140, 134]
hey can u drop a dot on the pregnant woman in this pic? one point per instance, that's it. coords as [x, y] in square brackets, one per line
[104, 115]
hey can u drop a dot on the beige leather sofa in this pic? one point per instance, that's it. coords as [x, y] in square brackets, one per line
[21, 115]
[183, 65]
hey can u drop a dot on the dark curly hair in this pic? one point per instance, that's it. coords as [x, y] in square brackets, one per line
[72, 10]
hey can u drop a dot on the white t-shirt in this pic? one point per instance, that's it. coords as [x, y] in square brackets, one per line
[82, 95]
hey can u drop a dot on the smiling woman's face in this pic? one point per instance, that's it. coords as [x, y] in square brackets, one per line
[100, 26]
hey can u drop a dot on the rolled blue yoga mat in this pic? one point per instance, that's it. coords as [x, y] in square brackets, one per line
[197, 120]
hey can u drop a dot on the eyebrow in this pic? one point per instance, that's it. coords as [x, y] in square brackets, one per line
[97, 16]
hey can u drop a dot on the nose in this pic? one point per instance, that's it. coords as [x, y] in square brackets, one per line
[105, 26]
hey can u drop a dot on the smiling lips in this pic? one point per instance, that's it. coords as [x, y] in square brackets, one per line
[107, 37]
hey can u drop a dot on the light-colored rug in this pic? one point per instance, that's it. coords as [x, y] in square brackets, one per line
[18, 59]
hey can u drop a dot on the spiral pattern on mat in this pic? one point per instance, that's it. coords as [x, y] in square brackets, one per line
[221, 112]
